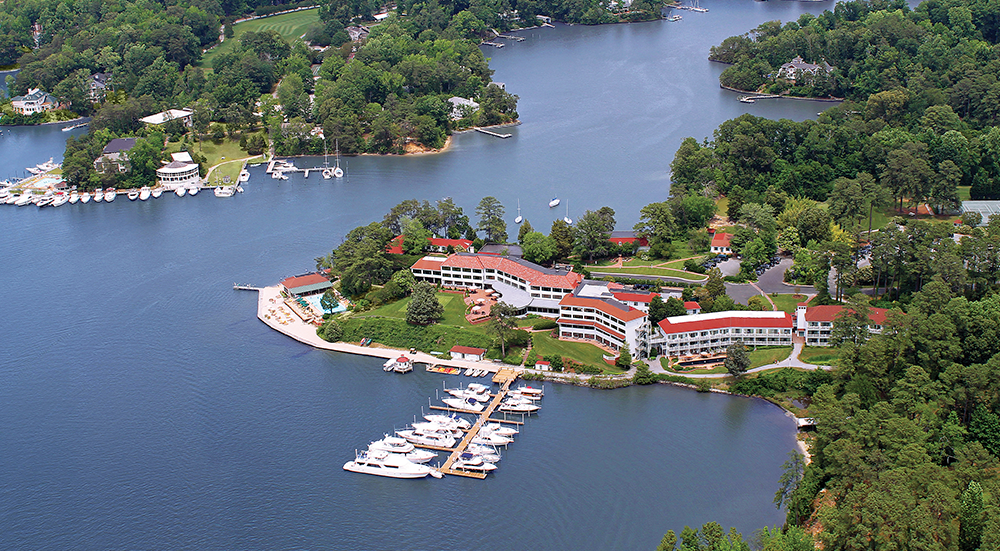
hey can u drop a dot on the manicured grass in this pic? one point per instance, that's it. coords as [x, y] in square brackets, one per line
[665, 363]
[217, 153]
[290, 26]
[787, 303]
[819, 355]
[587, 354]
[768, 355]
[964, 193]
[454, 311]
[654, 271]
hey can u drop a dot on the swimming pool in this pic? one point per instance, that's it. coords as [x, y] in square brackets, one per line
[313, 300]
[47, 181]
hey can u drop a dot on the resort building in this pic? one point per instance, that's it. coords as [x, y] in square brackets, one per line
[629, 238]
[712, 333]
[467, 353]
[434, 244]
[797, 68]
[306, 284]
[156, 119]
[114, 157]
[591, 312]
[816, 322]
[35, 101]
[720, 243]
[182, 171]
[528, 287]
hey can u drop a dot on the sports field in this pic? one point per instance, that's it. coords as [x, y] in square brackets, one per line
[290, 26]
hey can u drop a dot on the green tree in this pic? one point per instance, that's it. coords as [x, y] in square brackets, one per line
[538, 248]
[668, 543]
[674, 307]
[737, 359]
[490, 212]
[331, 331]
[329, 301]
[424, 307]
[502, 323]
[562, 234]
[524, 230]
[361, 259]
[415, 236]
[791, 476]
[593, 230]
[851, 324]
[715, 285]
[624, 359]
[971, 530]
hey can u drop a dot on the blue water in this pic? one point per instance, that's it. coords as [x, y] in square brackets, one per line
[151, 409]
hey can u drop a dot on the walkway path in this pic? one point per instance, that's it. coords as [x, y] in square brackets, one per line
[791, 361]
[213, 167]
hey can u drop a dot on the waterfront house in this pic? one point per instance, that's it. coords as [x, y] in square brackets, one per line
[181, 171]
[306, 284]
[99, 83]
[156, 119]
[467, 353]
[35, 101]
[543, 365]
[462, 107]
[797, 68]
[114, 157]
[816, 322]
[720, 243]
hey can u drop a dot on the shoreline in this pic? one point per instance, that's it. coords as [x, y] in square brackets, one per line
[731, 89]
[44, 123]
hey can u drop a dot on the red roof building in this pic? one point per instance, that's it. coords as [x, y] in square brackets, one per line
[438, 244]
[692, 307]
[628, 237]
[711, 333]
[720, 243]
[816, 322]
[594, 312]
[467, 353]
[306, 284]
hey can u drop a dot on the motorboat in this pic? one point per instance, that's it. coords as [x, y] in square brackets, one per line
[181, 191]
[502, 430]
[388, 365]
[109, 196]
[425, 438]
[60, 200]
[239, 188]
[383, 463]
[517, 407]
[392, 444]
[224, 191]
[459, 421]
[133, 194]
[144, 193]
[470, 462]
[468, 393]
[157, 192]
[554, 202]
[11, 199]
[490, 438]
[434, 427]
[747, 99]
[522, 396]
[519, 218]
[467, 404]
[244, 176]
[488, 453]
[74, 197]
[98, 195]
[24, 199]
[194, 190]
[444, 424]
[674, 18]
[45, 201]
[85, 198]
[530, 391]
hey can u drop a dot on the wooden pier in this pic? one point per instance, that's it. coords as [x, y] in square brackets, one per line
[509, 37]
[241, 287]
[494, 134]
[494, 44]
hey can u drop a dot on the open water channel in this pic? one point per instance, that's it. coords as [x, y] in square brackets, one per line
[143, 406]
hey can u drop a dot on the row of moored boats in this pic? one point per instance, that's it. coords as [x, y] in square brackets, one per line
[405, 454]
[52, 198]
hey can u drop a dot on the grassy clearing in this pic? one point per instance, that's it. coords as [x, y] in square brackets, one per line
[768, 355]
[454, 311]
[964, 193]
[787, 303]
[819, 355]
[722, 206]
[666, 272]
[587, 354]
[290, 26]
[217, 152]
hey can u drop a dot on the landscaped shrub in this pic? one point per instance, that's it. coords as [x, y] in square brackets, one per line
[555, 362]
[544, 324]
[531, 360]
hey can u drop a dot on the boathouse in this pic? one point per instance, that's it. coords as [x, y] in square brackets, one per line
[182, 171]
[306, 284]
[467, 353]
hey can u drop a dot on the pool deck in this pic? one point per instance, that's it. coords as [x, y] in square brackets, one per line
[269, 299]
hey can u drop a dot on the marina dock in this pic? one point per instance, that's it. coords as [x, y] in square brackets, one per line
[494, 134]
[504, 377]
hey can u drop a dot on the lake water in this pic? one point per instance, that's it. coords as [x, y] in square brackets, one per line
[145, 407]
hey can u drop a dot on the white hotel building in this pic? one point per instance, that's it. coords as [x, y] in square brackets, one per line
[694, 334]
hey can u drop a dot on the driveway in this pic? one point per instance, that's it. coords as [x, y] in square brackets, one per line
[772, 280]
[730, 267]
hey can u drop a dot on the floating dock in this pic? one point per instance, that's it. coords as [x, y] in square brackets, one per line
[494, 134]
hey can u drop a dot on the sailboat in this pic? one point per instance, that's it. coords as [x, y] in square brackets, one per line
[554, 202]
[327, 172]
[567, 219]
[519, 218]
[338, 172]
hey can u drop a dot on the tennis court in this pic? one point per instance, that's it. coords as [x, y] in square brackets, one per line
[985, 208]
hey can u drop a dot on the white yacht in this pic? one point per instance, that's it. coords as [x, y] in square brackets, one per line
[444, 424]
[467, 404]
[554, 202]
[519, 218]
[24, 199]
[517, 406]
[244, 175]
[85, 198]
[530, 391]
[74, 197]
[337, 171]
[383, 463]
[415, 455]
[470, 462]
[392, 444]
[425, 438]
[427, 426]
[157, 192]
[144, 193]
[468, 393]
[459, 421]
[224, 191]
[502, 430]
[486, 437]
[98, 195]
[60, 199]
[567, 219]
[488, 453]
[193, 190]
[133, 194]
[181, 191]
[109, 196]
[45, 200]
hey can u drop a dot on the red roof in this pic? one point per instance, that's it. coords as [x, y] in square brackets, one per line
[542, 362]
[633, 297]
[424, 264]
[468, 350]
[698, 323]
[402, 359]
[395, 246]
[643, 242]
[691, 305]
[302, 281]
[457, 243]
[598, 304]
[600, 326]
[829, 312]
[721, 239]
[534, 277]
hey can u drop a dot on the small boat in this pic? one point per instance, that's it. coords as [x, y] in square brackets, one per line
[469, 394]
[244, 176]
[98, 195]
[327, 173]
[519, 218]
[674, 18]
[502, 430]
[747, 99]
[446, 423]
[554, 202]
[85, 198]
[383, 463]
[513, 406]
[429, 427]
[425, 438]
[224, 191]
[45, 201]
[180, 191]
[60, 199]
[74, 197]
[11, 199]
[529, 390]
[194, 190]
[491, 439]
[133, 194]
[157, 192]
[144, 193]
[388, 365]
[392, 444]
[469, 462]
[337, 171]
[567, 219]
[109, 196]
[24, 199]
[468, 404]
[488, 453]
[459, 421]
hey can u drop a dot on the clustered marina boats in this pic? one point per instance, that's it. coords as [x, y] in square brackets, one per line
[53, 198]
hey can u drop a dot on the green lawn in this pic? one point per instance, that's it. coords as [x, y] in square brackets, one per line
[217, 153]
[768, 355]
[963, 193]
[587, 354]
[290, 26]
[787, 303]
[665, 363]
[722, 206]
[666, 272]
[454, 311]
[819, 355]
